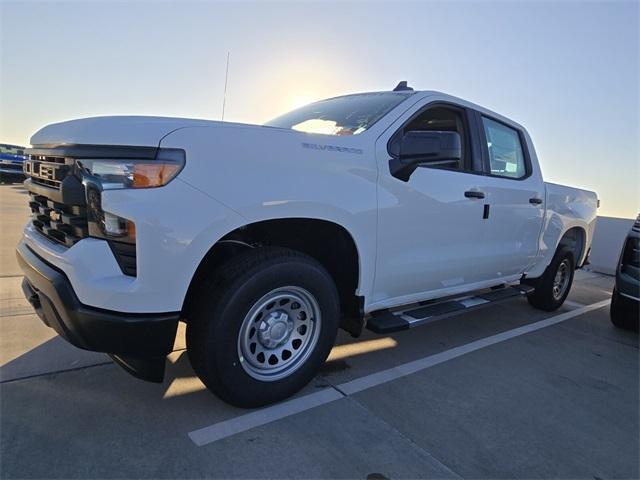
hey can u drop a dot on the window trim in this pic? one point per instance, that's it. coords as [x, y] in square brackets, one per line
[486, 157]
[475, 156]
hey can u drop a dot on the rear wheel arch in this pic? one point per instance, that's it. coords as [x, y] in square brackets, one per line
[575, 239]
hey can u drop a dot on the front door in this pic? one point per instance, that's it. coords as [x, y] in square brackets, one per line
[430, 228]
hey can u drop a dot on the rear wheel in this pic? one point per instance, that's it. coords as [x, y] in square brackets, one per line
[624, 312]
[262, 326]
[552, 288]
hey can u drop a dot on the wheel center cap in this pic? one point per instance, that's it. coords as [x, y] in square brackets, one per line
[275, 329]
[278, 331]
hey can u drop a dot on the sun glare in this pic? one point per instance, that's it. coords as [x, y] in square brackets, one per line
[316, 125]
[360, 348]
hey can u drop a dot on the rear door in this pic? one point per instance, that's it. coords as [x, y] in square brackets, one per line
[514, 191]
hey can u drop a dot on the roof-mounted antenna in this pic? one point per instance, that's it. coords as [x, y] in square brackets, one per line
[402, 86]
[224, 95]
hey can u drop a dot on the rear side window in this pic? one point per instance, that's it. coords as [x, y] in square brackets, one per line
[506, 156]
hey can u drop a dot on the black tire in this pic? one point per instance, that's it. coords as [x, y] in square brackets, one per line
[221, 305]
[624, 312]
[544, 297]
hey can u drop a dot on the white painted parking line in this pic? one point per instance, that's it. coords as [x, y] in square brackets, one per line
[245, 422]
[267, 415]
[394, 373]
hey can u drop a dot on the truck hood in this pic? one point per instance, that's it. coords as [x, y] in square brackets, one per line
[115, 130]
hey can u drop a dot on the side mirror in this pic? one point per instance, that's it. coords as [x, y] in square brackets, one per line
[431, 148]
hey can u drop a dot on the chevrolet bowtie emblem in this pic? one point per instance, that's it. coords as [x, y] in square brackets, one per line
[54, 215]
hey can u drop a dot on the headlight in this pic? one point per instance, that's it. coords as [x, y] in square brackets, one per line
[99, 174]
[121, 173]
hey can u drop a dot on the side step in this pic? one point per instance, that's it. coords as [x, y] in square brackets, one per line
[387, 321]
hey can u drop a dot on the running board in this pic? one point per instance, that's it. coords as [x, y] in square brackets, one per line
[387, 321]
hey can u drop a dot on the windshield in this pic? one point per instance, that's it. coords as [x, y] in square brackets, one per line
[348, 115]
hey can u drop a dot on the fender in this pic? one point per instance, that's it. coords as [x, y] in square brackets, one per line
[276, 175]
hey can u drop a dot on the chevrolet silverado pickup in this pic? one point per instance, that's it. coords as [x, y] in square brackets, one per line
[383, 210]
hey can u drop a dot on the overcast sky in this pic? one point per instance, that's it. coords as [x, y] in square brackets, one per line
[568, 71]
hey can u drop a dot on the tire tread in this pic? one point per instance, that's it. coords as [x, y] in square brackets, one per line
[217, 289]
[542, 296]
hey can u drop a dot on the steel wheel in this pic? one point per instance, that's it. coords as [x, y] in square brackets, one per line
[279, 333]
[561, 280]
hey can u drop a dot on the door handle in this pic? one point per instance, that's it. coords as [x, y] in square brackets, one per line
[473, 194]
[535, 201]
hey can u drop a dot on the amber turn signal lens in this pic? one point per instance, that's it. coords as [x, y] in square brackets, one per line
[147, 175]
[131, 230]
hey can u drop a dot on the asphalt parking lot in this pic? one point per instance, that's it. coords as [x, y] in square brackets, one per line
[504, 392]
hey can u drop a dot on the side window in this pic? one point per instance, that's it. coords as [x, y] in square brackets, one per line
[438, 118]
[505, 150]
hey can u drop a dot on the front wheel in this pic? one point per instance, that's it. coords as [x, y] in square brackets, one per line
[552, 288]
[262, 326]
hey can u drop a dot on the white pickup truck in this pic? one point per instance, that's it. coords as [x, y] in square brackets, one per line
[383, 210]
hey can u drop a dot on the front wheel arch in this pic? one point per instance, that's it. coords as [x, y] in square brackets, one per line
[329, 243]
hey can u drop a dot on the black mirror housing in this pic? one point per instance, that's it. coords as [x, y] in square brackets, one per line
[425, 148]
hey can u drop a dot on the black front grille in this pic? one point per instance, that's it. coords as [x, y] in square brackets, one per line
[66, 224]
[59, 205]
[48, 158]
[49, 171]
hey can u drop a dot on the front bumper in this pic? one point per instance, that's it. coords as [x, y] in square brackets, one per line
[138, 342]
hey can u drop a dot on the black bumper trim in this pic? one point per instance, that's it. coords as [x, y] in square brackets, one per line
[143, 339]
